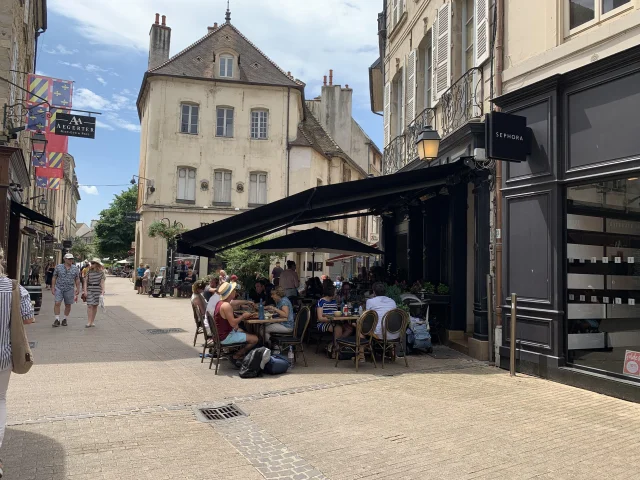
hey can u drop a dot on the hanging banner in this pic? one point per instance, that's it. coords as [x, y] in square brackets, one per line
[36, 118]
[58, 93]
[75, 125]
[39, 88]
[55, 160]
[54, 184]
[49, 172]
[38, 159]
[49, 183]
[61, 93]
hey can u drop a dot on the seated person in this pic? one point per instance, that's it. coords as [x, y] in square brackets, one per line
[283, 309]
[211, 288]
[327, 306]
[345, 293]
[313, 287]
[197, 299]
[262, 292]
[381, 304]
[228, 324]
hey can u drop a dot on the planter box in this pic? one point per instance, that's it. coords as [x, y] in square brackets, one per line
[435, 299]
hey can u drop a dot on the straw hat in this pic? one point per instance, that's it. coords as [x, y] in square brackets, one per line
[225, 289]
[97, 260]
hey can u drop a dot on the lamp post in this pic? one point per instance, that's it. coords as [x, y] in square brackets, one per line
[149, 186]
[38, 145]
[428, 143]
[170, 252]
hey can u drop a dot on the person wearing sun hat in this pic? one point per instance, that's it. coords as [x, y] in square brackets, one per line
[228, 324]
[94, 289]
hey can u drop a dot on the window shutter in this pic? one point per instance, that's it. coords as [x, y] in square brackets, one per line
[262, 189]
[396, 11]
[387, 113]
[191, 185]
[411, 86]
[253, 188]
[182, 183]
[403, 8]
[443, 73]
[434, 62]
[481, 17]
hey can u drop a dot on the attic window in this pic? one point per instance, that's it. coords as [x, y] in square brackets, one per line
[226, 37]
[255, 65]
[198, 59]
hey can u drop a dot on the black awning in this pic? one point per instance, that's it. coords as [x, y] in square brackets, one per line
[373, 195]
[29, 214]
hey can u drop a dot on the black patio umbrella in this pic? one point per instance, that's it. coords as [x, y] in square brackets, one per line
[314, 240]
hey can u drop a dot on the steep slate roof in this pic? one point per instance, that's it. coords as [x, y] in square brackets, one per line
[196, 60]
[312, 134]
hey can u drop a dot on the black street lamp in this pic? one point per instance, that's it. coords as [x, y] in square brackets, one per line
[428, 143]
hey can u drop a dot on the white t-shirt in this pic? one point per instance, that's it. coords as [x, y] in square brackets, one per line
[382, 305]
[211, 304]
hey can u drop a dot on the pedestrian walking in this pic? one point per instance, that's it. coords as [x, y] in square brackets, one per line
[139, 273]
[145, 279]
[94, 289]
[49, 275]
[6, 363]
[65, 286]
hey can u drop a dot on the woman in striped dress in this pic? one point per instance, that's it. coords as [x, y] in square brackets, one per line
[6, 364]
[94, 289]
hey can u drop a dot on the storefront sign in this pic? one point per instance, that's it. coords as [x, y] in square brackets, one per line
[632, 363]
[72, 125]
[508, 137]
[67, 243]
[132, 217]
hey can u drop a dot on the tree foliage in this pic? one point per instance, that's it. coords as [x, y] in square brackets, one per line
[160, 229]
[81, 250]
[247, 263]
[114, 234]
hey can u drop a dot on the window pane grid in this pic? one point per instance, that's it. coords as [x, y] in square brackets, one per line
[222, 187]
[257, 188]
[186, 184]
[224, 127]
[259, 124]
[189, 119]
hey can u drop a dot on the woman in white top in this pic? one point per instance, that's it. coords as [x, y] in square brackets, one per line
[6, 364]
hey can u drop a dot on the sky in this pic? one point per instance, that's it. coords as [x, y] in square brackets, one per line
[103, 47]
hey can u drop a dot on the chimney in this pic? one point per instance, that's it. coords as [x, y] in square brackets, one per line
[211, 29]
[324, 82]
[330, 78]
[159, 42]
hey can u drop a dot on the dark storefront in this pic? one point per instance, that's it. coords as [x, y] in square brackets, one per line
[571, 227]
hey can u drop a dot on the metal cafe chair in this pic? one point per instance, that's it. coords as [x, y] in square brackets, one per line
[394, 322]
[212, 342]
[299, 330]
[198, 318]
[365, 327]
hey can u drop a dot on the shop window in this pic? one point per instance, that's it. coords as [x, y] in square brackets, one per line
[584, 13]
[603, 274]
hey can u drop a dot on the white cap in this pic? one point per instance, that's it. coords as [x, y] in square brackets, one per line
[69, 255]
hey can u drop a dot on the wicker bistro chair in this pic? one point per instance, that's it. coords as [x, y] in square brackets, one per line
[394, 322]
[277, 336]
[365, 327]
[198, 318]
[299, 330]
[212, 342]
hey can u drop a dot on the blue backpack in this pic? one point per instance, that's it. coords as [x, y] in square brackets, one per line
[277, 365]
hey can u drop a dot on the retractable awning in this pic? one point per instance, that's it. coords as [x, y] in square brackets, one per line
[330, 202]
[19, 209]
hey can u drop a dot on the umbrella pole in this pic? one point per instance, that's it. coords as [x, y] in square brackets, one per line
[313, 264]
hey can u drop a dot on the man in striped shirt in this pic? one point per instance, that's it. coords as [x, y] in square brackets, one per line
[65, 286]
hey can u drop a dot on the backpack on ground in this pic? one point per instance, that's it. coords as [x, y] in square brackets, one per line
[276, 365]
[254, 362]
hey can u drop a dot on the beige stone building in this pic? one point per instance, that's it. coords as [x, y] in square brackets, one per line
[225, 130]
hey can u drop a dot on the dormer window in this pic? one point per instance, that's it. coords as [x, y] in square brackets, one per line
[226, 66]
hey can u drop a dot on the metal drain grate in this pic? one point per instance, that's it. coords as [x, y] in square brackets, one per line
[158, 331]
[210, 414]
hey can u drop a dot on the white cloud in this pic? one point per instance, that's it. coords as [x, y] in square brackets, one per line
[312, 36]
[101, 80]
[104, 126]
[94, 68]
[85, 99]
[113, 109]
[74, 65]
[132, 127]
[89, 190]
[60, 50]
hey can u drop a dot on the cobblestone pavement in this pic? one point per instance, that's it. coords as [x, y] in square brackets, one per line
[116, 402]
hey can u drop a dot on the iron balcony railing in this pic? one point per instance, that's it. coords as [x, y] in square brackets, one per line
[402, 149]
[462, 102]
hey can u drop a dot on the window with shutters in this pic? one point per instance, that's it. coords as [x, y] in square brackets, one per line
[582, 14]
[468, 35]
[442, 51]
[259, 124]
[224, 125]
[189, 118]
[482, 32]
[387, 113]
[222, 187]
[410, 92]
[424, 72]
[186, 185]
[398, 9]
[257, 189]
[398, 104]
[226, 66]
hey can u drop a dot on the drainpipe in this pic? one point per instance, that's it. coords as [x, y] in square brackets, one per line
[287, 137]
[499, 53]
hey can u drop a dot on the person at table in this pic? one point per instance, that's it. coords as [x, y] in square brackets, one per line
[228, 324]
[197, 299]
[275, 274]
[283, 309]
[261, 292]
[211, 288]
[327, 306]
[345, 293]
[381, 304]
[313, 287]
[289, 279]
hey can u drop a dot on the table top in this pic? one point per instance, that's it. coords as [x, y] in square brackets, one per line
[255, 321]
[342, 318]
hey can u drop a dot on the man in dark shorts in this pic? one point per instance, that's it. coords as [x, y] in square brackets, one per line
[275, 274]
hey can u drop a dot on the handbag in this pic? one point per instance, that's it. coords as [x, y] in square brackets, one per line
[20, 350]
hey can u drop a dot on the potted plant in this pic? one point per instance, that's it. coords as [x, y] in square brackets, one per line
[436, 295]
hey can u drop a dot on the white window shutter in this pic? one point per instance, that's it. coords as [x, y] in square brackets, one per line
[396, 11]
[404, 7]
[434, 63]
[411, 86]
[481, 17]
[444, 49]
[387, 113]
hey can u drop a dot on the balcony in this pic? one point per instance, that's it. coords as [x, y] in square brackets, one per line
[460, 104]
[402, 149]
